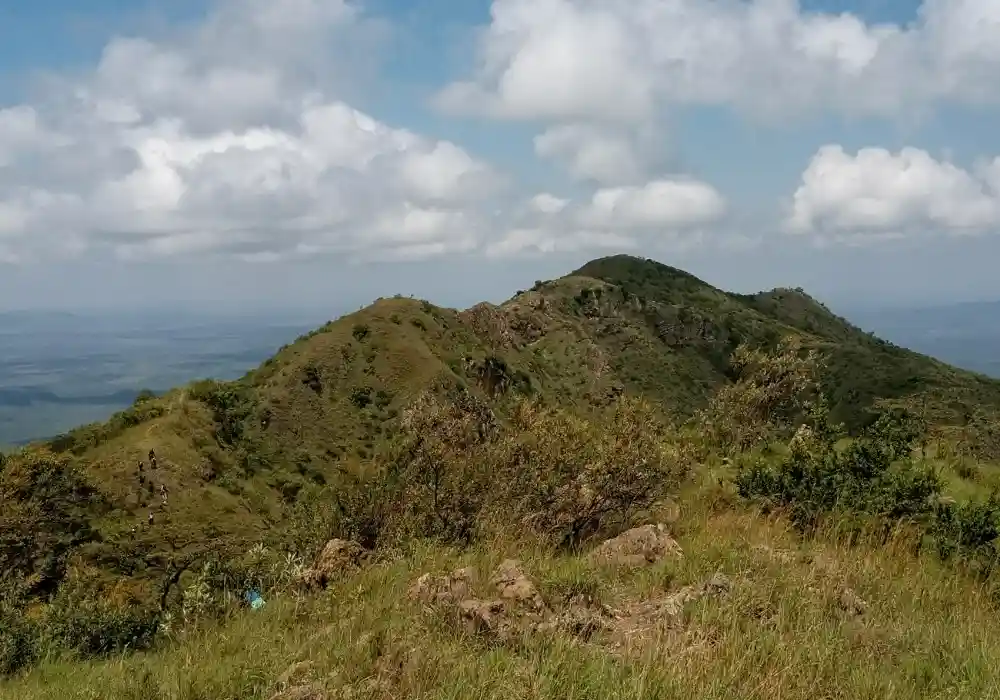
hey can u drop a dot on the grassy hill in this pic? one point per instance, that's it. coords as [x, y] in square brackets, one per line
[861, 368]
[276, 457]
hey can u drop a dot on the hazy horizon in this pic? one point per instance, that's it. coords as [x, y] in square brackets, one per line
[62, 369]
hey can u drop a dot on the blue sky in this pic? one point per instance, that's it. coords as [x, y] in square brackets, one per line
[247, 153]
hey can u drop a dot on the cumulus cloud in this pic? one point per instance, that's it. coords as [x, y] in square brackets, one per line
[667, 203]
[237, 136]
[592, 153]
[230, 137]
[878, 194]
[546, 203]
[621, 60]
[665, 213]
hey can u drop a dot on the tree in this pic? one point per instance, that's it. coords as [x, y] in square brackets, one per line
[47, 509]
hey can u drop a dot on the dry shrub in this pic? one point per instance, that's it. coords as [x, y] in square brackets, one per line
[768, 398]
[570, 479]
[457, 470]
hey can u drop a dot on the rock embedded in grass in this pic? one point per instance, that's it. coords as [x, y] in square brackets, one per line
[639, 546]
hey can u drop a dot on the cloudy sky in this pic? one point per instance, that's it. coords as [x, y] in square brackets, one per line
[314, 152]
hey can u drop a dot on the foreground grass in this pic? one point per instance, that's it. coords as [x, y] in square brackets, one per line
[928, 631]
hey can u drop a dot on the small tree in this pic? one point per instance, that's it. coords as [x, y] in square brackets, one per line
[768, 397]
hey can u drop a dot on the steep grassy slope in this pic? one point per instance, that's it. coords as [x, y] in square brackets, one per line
[239, 459]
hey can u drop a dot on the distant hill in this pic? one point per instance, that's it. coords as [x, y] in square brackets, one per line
[235, 456]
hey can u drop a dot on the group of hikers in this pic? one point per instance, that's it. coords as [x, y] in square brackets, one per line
[147, 486]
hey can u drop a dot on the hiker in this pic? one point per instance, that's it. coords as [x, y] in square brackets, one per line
[152, 458]
[150, 517]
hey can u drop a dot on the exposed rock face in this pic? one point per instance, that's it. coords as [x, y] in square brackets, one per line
[647, 620]
[516, 588]
[519, 608]
[449, 589]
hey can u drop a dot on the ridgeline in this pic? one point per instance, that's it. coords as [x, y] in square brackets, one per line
[280, 459]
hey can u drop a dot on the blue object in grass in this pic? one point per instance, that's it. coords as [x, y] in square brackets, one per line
[254, 599]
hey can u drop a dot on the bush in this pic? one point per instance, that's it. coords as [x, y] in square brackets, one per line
[572, 480]
[969, 531]
[769, 396]
[47, 507]
[456, 471]
[874, 475]
[18, 632]
[143, 396]
[231, 403]
[361, 397]
[92, 626]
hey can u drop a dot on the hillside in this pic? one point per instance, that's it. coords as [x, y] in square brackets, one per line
[861, 367]
[234, 456]
[276, 457]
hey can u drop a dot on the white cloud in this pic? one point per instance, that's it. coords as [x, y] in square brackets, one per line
[533, 62]
[521, 241]
[236, 136]
[230, 137]
[620, 60]
[445, 172]
[546, 203]
[666, 203]
[591, 153]
[664, 213]
[877, 194]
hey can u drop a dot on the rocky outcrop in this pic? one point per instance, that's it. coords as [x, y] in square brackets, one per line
[337, 558]
[639, 546]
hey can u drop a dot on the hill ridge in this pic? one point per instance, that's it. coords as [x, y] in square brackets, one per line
[238, 460]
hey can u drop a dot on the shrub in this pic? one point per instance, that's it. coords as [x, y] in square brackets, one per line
[143, 396]
[47, 506]
[969, 531]
[769, 396]
[311, 378]
[874, 475]
[361, 396]
[231, 404]
[455, 471]
[90, 625]
[571, 480]
[18, 632]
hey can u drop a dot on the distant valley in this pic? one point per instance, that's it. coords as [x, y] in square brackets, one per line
[966, 335]
[59, 370]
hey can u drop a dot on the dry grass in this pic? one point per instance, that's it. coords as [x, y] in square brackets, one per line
[927, 632]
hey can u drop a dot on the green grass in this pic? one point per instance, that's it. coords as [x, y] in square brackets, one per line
[927, 632]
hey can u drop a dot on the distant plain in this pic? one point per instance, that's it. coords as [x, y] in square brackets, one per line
[60, 370]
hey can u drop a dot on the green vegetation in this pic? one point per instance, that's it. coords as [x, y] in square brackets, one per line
[834, 498]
